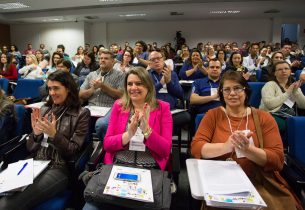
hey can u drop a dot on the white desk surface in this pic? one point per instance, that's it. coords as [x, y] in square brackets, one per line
[194, 179]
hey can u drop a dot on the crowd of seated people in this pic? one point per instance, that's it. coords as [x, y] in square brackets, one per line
[99, 75]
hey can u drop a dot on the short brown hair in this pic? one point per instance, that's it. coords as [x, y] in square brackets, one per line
[236, 77]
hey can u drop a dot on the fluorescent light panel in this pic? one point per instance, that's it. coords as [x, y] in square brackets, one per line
[133, 15]
[16, 5]
[225, 12]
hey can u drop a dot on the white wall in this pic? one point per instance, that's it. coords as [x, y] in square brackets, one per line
[74, 34]
[70, 34]
[215, 31]
[96, 33]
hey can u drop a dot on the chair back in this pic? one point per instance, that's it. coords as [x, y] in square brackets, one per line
[198, 119]
[4, 84]
[27, 88]
[259, 75]
[296, 133]
[256, 95]
[20, 113]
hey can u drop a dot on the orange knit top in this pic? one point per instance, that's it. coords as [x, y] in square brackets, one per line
[214, 128]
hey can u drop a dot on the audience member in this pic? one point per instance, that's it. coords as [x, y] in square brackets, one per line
[101, 88]
[282, 96]
[140, 54]
[267, 74]
[204, 91]
[42, 62]
[55, 58]
[221, 56]
[59, 131]
[87, 65]
[45, 52]
[15, 55]
[252, 62]
[29, 50]
[227, 131]
[8, 70]
[126, 64]
[79, 56]
[31, 70]
[140, 115]
[193, 67]
[235, 64]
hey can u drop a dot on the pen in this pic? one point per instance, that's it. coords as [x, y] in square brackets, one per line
[23, 167]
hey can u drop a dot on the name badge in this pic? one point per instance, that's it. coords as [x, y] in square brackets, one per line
[163, 89]
[239, 153]
[214, 92]
[44, 142]
[289, 102]
[135, 60]
[137, 141]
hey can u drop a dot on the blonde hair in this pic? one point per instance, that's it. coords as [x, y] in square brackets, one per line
[147, 82]
[33, 57]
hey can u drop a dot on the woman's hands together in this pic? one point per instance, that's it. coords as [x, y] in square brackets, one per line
[42, 124]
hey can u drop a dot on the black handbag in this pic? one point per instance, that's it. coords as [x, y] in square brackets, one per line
[161, 191]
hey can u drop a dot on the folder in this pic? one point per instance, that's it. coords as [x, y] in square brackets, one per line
[222, 184]
[21, 174]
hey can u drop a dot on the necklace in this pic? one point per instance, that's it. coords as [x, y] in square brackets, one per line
[245, 113]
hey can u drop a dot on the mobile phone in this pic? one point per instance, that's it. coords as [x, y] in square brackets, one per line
[127, 177]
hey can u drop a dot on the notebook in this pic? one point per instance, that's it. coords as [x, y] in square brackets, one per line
[225, 184]
[21, 174]
[130, 183]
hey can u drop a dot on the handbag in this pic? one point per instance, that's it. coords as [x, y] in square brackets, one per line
[271, 185]
[160, 184]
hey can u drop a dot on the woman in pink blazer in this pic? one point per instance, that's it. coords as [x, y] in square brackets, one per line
[140, 126]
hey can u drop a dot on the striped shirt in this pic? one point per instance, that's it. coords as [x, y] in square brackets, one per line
[113, 79]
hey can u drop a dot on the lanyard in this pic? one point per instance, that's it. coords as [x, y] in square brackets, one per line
[239, 122]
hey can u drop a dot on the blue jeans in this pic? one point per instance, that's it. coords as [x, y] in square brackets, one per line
[101, 125]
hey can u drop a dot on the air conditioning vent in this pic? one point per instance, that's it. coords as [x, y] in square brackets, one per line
[176, 13]
[135, 20]
[272, 11]
[92, 17]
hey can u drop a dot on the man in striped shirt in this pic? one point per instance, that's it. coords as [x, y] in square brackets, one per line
[102, 87]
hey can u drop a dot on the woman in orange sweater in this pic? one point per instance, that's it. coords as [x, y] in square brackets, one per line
[229, 129]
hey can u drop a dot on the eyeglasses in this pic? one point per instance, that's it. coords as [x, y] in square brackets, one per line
[156, 59]
[236, 89]
[284, 69]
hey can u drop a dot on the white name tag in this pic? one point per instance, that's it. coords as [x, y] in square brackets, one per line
[135, 60]
[163, 89]
[44, 142]
[214, 92]
[137, 141]
[289, 102]
[239, 153]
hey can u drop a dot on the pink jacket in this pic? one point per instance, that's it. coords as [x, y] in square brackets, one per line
[159, 142]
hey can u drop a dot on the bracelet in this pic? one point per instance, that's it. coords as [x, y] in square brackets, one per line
[147, 132]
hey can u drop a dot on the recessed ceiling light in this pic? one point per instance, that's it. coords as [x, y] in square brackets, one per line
[16, 5]
[133, 15]
[52, 19]
[225, 12]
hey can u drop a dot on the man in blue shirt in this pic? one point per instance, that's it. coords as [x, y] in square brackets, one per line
[168, 89]
[166, 81]
[204, 91]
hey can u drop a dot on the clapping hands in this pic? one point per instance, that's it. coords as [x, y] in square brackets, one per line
[43, 124]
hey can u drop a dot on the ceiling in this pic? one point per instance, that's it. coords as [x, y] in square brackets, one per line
[40, 11]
